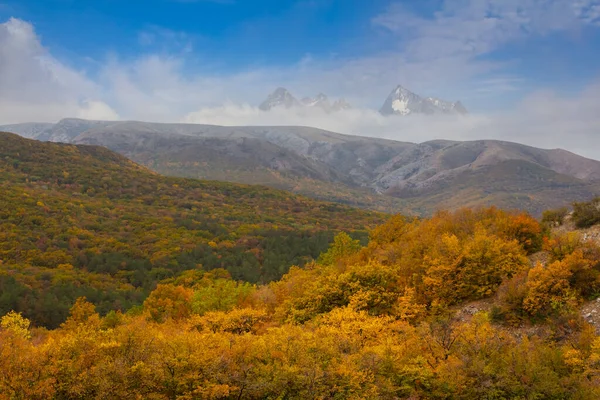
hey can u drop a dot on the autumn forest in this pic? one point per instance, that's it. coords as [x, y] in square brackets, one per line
[118, 283]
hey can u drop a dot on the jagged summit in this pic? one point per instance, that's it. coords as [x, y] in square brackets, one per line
[282, 98]
[320, 101]
[402, 101]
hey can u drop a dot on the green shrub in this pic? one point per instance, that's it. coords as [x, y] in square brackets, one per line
[586, 214]
[556, 217]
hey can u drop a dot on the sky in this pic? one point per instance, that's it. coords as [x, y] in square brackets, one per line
[527, 70]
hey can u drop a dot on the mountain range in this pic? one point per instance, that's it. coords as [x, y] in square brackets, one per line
[401, 101]
[366, 172]
[282, 98]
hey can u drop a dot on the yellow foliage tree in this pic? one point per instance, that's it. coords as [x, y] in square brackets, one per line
[16, 324]
[471, 268]
[343, 246]
[83, 313]
[169, 301]
[548, 289]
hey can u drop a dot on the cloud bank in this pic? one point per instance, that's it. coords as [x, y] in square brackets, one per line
[36, 86]
[543, 119]
[443, 55]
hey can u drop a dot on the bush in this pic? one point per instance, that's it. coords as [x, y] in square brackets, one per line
[553, 218]
[586, 214]
[511, 295]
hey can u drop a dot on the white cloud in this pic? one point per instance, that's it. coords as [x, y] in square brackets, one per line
[154, 88]
[33, 84]
[475, 27]
[96, 110]
[451, 45]
[588, 11]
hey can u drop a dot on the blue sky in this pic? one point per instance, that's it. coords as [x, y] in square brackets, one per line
[174, 60]
[233, 31]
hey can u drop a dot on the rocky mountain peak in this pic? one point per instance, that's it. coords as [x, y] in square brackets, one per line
[402, 101]
[281, 97]
[320, 101]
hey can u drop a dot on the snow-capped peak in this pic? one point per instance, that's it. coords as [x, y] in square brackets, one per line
[402, 101]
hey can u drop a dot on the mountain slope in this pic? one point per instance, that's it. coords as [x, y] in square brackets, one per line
[64, 131]
[364, 172]
[482, 173]
[84, 221]
[30, 130]
[69, 128]
[429, 163]
[309, 161]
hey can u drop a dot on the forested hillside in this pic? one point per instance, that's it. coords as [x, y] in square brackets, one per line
[84, 221]
[364, 172]
[168, 288]
[403, 317]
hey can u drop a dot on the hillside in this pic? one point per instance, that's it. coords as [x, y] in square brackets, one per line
[449, 307]
[364, 172]
[312, 162]
[84, 221]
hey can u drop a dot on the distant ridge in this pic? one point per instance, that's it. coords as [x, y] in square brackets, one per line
[361, 171]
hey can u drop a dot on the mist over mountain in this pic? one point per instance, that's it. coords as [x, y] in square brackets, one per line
[401, 101]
